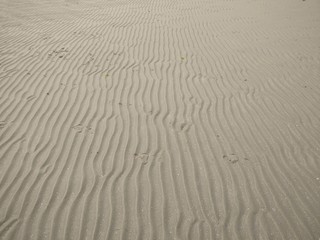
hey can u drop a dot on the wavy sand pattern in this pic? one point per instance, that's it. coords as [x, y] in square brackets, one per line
[136, 119]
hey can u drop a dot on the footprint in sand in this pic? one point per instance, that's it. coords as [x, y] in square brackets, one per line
[233, 158]
[180, 126]
[79, 128]
[60, 53]
[143, 157]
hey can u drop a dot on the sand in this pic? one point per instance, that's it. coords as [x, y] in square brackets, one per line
[171, 119]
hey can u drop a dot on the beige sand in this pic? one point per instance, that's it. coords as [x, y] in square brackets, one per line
[171, 119]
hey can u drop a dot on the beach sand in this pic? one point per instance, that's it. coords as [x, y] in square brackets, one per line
[171, 119]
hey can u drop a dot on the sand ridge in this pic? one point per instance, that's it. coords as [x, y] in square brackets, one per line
[159, 119]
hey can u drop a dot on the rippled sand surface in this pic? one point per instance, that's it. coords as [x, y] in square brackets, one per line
[171, 119]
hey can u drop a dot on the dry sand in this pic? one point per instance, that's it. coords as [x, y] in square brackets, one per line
[169, 119]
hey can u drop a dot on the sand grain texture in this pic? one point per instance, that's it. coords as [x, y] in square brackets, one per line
[160, 119]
